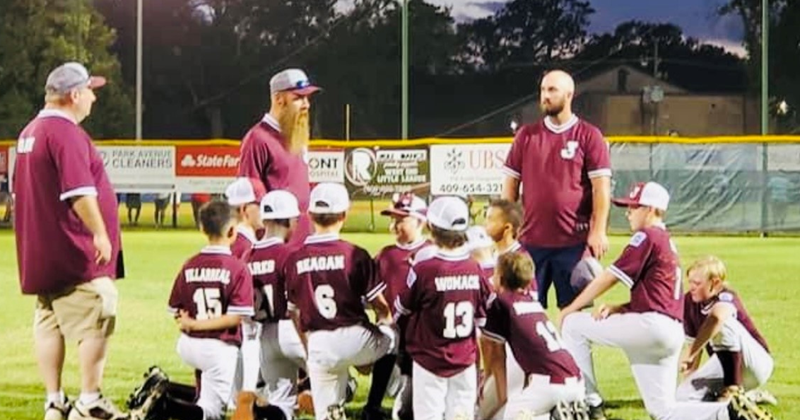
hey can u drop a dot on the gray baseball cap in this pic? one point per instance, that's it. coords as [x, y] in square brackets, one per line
[70, 76]
[292, 80]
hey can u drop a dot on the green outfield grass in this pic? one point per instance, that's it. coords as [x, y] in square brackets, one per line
[763, 270]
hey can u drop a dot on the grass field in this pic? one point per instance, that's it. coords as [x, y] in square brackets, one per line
[763, 270]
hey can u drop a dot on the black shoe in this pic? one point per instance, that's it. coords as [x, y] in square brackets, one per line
[597, 412]
[145, 398]
[562, 411]
[580, 411]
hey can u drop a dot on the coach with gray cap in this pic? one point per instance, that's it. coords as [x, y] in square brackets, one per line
[68, 241]
[275, 149]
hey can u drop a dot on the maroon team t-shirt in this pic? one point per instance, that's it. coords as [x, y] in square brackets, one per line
[264, 156]
[56, 162]
[555, 165]
[266, 265]
[649, 266]
[211, 284]
[393, 263]
[444, 300]
[242, 246]
[328, 279]
[695, 313]
[520, 320]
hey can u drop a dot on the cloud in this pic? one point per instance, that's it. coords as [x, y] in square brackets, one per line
[731, 46]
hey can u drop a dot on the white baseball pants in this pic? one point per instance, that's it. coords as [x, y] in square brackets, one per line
[758, 363]
[652, 343]
[217, 361]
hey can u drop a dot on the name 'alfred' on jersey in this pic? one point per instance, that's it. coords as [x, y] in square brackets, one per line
[258, 268]
[447, 283]
[320, 263]
[208, 275]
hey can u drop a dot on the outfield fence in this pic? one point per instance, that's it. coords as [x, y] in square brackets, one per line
[734, 184]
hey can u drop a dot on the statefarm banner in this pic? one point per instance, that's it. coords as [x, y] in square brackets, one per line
[209, 169]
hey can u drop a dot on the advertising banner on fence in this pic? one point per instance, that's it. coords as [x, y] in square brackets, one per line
[205, 169]
[140, 169]
[382, 172]
[325, 166]
[783, 157]
[468, 169]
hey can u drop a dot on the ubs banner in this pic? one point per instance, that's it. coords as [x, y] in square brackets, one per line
[376, 172]
[468, 169]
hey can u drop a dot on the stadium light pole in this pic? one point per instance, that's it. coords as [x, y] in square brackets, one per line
[404, 70]
[139, 70]
[764, 111]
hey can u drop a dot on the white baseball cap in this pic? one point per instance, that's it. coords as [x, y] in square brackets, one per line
[292, 80]
[329, 198]
[449, 213]
[407, 204]
[244, 191]
[478, 238]
[649, 194]
[279, 204]
[70, 76]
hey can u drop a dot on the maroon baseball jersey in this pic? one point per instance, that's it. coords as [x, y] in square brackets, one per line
[243, 245]
[487, 267]
[264, 156]
[649, 267]
[695, 313]
[266, 266]
[519, 319]
[555, 165]
[444, 299]
[57, 162]
[393, 263]
[211, 284]
[328, 279]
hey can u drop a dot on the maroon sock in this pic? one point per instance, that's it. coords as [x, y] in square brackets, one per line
[731, 362]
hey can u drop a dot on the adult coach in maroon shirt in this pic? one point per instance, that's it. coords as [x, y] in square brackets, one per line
[562, 165]
[68, 241]
[275, 149]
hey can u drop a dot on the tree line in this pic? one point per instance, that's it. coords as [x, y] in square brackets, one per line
[207, 63]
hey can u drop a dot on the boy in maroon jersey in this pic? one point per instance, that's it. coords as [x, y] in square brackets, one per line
[715, 318]
[210, 296]
[394, 261]
[502, 223]
[282, 353]
[244, 195]
[327, 282]
[517, 318]
[649, 327]
[482, 250]
[444, 300]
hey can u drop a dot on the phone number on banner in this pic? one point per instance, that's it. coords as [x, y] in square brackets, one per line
[477, 188]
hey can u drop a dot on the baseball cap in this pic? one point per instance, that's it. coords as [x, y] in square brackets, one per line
[244, 191]
[329, 198]
[449, 213]
[407, 204]
[477, 238]
[70, 76]
[292, 80]
[650, 194]
[279, 204]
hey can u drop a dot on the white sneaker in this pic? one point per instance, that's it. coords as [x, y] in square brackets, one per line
[100, 409]
[56, 411]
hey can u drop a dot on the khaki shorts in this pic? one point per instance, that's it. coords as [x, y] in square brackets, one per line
[87, 310]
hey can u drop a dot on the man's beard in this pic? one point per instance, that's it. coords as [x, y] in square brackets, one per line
[296, 130]
[553, 109]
